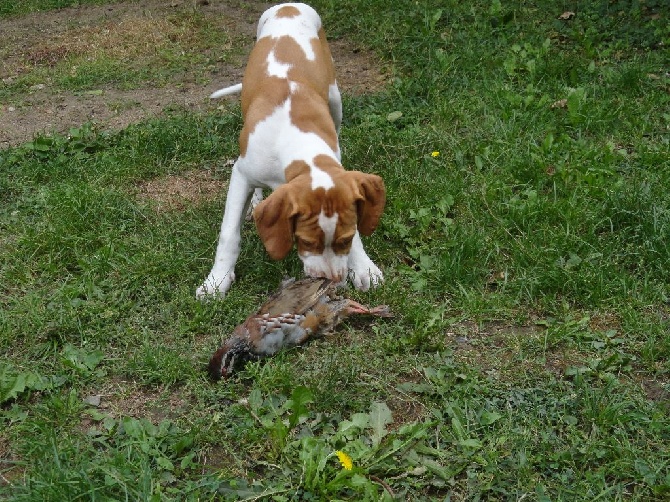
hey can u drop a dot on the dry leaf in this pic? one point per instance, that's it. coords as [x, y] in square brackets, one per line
[567, 15]
[561, 103]
[93, 400]
[393, 116]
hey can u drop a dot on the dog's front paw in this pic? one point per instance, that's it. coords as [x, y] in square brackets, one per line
[365, 275]
[215, 286]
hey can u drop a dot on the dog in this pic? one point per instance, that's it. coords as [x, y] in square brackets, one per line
[292, 112]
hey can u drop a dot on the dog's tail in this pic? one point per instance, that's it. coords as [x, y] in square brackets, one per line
[233, 89]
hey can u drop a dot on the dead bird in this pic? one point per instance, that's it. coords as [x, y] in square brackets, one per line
[298, 311]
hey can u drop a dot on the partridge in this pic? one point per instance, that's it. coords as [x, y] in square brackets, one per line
[298, 311]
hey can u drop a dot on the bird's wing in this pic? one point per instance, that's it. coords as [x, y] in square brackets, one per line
[296, 297]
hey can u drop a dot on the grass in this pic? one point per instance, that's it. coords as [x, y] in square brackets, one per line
[527, 265]
[134, 52]
[9, 9]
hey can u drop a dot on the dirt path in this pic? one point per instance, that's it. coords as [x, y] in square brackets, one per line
[39, 45]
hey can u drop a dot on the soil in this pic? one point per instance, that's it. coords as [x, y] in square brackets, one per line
[41, 40]
[176, 192]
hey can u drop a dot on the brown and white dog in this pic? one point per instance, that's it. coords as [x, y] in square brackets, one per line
[289, 143]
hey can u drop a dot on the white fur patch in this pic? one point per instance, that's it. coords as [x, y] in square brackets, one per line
[320, 178]
[328, 264]
[277, 69]
[328, 224]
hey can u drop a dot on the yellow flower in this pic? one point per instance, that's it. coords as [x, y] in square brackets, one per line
[435, 154]
[345, 460]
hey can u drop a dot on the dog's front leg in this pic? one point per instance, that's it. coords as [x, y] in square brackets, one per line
[221, 277]
[362, 270]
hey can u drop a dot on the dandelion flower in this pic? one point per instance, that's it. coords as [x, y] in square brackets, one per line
[345, 460]
[435, 154]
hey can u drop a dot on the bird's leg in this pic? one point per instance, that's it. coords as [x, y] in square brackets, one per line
[380, 311]
[356, 308]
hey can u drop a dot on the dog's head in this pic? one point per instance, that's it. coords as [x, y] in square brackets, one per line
[321, 219]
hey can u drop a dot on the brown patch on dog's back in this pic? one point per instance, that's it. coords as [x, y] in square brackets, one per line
[309, 102]
[328, 165]
[311, 114]
[287, 11]
[295, 169]
[264, 91]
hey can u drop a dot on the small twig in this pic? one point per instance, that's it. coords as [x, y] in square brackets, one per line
[258, 419]
[244, 402]
[383, 483]
[6, 480]
[204, 464]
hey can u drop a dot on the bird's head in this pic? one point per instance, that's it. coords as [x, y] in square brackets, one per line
[229, 356]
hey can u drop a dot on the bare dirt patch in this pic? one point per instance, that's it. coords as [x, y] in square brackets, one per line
[177, 191]
[121, 398]
[41, 44]
[9, 470]
[656, 392]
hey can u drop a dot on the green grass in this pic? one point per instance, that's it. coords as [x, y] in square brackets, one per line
[527, 265]
[10, 8]
[126, 52]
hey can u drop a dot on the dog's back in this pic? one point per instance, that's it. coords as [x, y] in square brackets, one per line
[290, 67]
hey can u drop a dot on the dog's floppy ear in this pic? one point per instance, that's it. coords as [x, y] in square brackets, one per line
[275, 221]
[370, 201]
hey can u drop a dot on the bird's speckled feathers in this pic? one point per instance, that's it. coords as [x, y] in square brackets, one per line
[296, 297]
[298, 311]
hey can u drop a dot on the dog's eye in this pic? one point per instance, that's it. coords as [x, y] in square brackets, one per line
[342, 244]
[307, 245]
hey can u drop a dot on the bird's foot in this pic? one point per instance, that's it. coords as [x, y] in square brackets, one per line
[354, 307]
